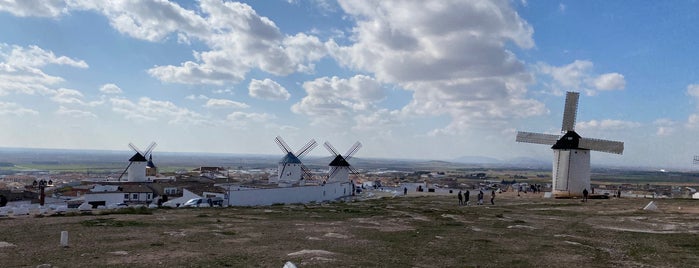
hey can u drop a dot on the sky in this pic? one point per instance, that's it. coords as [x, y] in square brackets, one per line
[433, 79]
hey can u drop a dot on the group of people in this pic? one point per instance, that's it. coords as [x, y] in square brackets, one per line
[534, 188]
[464, 198]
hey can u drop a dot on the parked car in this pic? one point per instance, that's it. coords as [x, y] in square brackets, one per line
[203, 202]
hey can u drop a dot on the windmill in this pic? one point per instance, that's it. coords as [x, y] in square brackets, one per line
[290, 168]
[571, 152]
[339, 167]
[138, 163]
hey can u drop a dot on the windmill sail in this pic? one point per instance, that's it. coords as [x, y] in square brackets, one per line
[282, 145]
[353, 150]
[331, 149]
[570, 111]
[538, 138]
[615, 147]
[306, 148]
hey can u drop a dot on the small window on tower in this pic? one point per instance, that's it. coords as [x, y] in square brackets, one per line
[570, 138]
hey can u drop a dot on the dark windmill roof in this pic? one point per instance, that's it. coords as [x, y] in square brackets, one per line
[150, 162]
[339, 161]
[290, 158]
[138, 157]
[569, 141]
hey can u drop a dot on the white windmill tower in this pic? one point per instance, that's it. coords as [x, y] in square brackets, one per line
[339, 166]
[138, 163]
[290, 168]
[571, 153]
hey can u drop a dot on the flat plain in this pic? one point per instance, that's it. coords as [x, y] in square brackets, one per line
[428, 230]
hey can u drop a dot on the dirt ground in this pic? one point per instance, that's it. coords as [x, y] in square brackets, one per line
[428, 230]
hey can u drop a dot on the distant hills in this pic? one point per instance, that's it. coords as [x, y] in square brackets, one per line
[512, 162]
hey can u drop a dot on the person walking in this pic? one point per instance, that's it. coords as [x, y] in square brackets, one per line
[585, 195]
[461, 198]
[466, 197]
[480, 198]
[492, 197]
[405, 190]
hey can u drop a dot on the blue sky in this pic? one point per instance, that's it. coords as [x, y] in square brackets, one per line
[409, 79]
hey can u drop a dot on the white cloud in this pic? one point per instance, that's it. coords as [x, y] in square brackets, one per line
[380, 122]
[578, 76]
[693, 121]
[267, 90]
[72, 96]
[244, 120]
[34, 56]
[693, 90]
[110, 89]
[609, 81]
[452, 54]
[224, 103]
[34, 8]
[607, 124]
[20, 69]
[11, 108]
[336, 97]
[196, 97]
[63, 111]
[151, 110]
[239, 40]
[665, 127]
[68, 96]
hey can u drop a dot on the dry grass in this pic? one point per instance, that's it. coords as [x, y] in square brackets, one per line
[424, 231]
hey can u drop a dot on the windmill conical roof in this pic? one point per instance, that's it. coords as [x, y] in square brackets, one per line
[138, 157]
[339, 161]
[150, 162]
[290, 158]
[569, 141]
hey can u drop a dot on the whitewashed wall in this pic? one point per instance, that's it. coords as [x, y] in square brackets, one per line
[137, 171]
[571, 172]
[302, 194]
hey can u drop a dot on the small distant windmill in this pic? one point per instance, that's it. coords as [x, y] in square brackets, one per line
[339, 166]
[571, 153]
[138, 163]
[290, 168]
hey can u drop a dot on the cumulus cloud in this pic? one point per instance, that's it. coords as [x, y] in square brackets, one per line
[11, 108]
[607, 124]
[76, 113]
[337, 97]
[34, 8]
[693, 90]
[224, 103]
[452, 54]
[72, 96]
[267, 90]
[21, 69]
[110, 89]
[243, 120]
[381, 121]
[610, 81]
[68, 96]
[239, 40]
[196, 97]
[578, 76]
[147, 109]
[665, 127]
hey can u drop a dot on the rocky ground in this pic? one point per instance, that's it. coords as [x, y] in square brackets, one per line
[428, 230]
